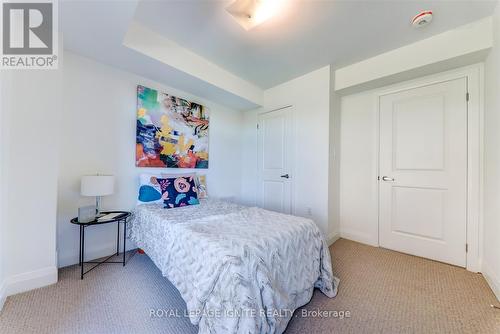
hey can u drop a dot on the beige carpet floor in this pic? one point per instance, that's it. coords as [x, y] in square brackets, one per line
[383, 291]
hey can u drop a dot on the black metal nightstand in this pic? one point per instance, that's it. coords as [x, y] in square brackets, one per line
[122, 218]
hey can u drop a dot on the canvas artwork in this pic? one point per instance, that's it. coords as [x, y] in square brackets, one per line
[171, 132]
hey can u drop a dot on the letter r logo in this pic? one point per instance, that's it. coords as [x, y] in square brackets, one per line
[27, 28]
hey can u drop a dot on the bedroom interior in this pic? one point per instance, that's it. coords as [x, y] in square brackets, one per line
[250, 166]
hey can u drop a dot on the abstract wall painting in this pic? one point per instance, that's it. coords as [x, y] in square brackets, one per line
[171, 132]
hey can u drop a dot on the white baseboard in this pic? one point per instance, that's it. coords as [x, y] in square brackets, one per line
[332, 237]
[3, 295]
[359, 237]
[30, 280]
[492, 280]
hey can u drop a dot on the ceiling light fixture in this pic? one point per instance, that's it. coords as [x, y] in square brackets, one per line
[250, 13]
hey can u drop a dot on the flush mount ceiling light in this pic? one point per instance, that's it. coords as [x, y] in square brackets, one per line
[250, 13]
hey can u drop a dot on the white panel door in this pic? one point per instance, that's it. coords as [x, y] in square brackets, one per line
[275, 150]
[423, 171]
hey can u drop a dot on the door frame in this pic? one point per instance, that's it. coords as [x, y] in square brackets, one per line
[475, 151]
[291, 158]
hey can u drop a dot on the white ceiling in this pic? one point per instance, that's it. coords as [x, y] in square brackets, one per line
[305, 36]
[96, 29]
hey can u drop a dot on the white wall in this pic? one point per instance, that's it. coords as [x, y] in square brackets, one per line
[491, 252]
[30, 152]
[358, 165]
[334, 162]
[310, 97]
[98, 131]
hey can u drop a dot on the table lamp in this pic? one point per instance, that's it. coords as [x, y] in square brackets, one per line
[97, 185]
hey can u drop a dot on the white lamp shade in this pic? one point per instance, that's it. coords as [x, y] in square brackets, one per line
[97, 185]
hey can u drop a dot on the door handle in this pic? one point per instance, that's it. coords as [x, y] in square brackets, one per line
[286, 176]
[387, 179]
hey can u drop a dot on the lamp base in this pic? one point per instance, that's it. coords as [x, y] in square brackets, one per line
[98, 206]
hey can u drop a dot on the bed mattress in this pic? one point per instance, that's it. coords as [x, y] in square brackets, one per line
[239, 269]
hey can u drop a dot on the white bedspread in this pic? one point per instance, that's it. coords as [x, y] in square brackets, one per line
[239, 269]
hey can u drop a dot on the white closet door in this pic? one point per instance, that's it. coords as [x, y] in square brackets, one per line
[275, 151]
[423, 171]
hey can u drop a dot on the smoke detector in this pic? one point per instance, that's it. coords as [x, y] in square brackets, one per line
[422, 19]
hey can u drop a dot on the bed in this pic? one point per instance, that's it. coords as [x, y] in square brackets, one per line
[239, 269]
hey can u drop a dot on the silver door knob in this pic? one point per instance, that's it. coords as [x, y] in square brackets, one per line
[387, 179]
[286, 176]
